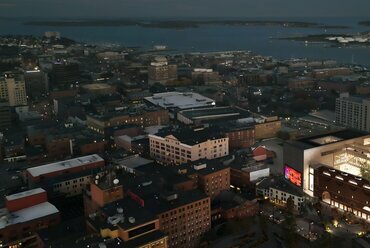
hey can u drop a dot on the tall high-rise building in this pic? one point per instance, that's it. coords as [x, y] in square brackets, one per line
[353, 112]
[162, 72]
[5, 115]
[65, 73]
[13, 89]
[37, 83]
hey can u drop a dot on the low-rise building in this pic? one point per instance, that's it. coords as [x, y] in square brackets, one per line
[278, 190]
[24, 214]
[143, 118]
[43, 173]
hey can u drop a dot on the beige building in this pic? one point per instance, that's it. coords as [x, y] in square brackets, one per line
[267, 128]
[160, 71]
[353, 112]
[176, 147]
[13, 89]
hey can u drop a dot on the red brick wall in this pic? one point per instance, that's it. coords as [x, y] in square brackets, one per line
[68, 171]
[26, 202]
[22, 230]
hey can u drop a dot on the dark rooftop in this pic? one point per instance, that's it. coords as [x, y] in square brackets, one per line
[280, 183]
[216, 113]
[157, 204]
[192, 136]
[337, 136]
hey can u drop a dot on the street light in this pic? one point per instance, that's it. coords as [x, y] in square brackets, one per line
[309, 229]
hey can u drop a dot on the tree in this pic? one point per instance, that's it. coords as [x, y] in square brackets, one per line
[290, 225]
[290, 205]
[325, 241]
[263, 225]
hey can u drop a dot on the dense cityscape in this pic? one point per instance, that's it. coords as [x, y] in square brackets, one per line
[113, 146]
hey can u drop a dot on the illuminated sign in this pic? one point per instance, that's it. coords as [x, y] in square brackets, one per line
[293, 176]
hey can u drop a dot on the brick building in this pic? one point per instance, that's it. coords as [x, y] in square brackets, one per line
[23, 215]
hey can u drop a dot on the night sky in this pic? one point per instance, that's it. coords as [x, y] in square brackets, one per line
[184, 8]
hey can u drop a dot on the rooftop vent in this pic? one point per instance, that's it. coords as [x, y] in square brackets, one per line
[131, 220]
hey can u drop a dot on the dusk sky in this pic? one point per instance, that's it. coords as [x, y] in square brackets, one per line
[184, 8]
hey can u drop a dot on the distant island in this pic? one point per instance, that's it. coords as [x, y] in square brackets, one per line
[179, 24]
[365, 23]
[340, 39]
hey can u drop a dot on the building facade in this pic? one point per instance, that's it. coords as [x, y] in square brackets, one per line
[161, 72]
[24, 214]
[13, 89]
[143, 119]
[176, 148]
[353, 112]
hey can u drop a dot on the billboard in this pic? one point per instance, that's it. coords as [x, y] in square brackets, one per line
[293, 176]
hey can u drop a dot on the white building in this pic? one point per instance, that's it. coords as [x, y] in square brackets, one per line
[177, 147]
[180, 100]
[353, 112]
[278, 192]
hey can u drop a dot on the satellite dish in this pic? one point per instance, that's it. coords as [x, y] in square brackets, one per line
[131, 220]
[116, 181]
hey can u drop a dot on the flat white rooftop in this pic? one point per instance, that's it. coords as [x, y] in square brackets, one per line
[133, 161]
[181, 100]
[24, 194]
[63, 165]
[27, 214]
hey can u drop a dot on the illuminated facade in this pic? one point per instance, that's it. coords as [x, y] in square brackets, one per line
[334, 167]
[343, 190]
[346, 150]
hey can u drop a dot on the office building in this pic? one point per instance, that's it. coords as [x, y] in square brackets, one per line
[37, 83]
[353, 112]
[64, 73]
[13, 89]
[5, 115]
[160, 71]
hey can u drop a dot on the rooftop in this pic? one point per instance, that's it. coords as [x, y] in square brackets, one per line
[203, 166]
[157, 205]
[327, 138]
[191, 136]
[215, 112]
[63, 165]
[133, 161]
[27, 214]
[24, 194]
[186, 100]
[133, 214]
[281, 184]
